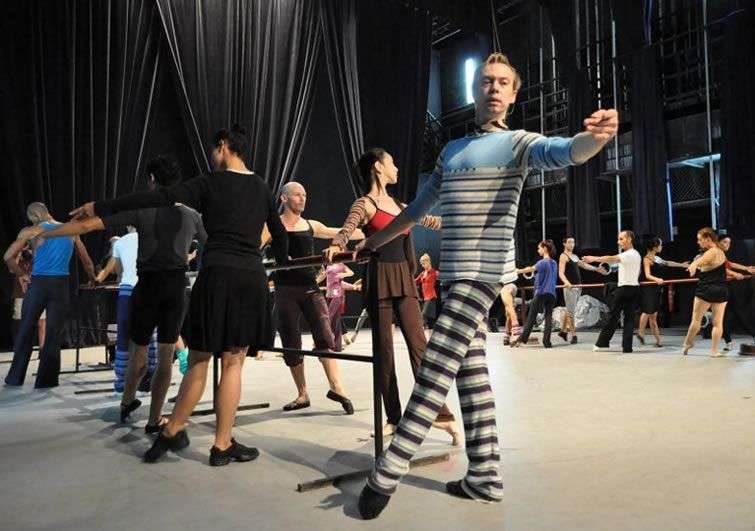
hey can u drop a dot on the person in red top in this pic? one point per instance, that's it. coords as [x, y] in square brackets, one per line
[396, 291]
[427, 279]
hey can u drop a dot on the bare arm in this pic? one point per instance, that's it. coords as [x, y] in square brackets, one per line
[524, 270]
[739, 267]
[109, 268]
[75, 228]
[84, 257]
[346, 273]
[324, 232]
[562, 269]
[680, 265]
[609, 259]
[646, 264]
[13, 251]
[266, 237]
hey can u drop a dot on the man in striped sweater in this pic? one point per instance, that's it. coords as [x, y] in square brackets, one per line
[478, 181]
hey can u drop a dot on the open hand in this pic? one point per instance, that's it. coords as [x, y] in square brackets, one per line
[589, 259]
[602, 124]
[692, 269]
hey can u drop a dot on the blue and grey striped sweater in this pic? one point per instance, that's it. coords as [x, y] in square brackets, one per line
[478, 181]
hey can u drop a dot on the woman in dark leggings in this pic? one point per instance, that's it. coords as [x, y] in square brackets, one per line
[546, 276]
[396, 291]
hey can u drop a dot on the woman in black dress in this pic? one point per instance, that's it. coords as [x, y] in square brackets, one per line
[650, 295]
[711, 292]
[228, 313]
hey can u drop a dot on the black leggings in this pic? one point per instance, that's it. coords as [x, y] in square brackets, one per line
[542, 302]
[290, 303]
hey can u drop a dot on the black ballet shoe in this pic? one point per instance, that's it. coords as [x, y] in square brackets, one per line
[129, 408]
[563, 336]
[372, 503]
[293, 406]
[348, 407]
[454, 489]
[151, 429]
[236, 452]
[641, 339]
[574, 340]
[164, 443]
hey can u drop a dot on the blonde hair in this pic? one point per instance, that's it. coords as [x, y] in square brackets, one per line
[425, 257]
[499, 58]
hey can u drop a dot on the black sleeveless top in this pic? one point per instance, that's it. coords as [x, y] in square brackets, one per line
[300, 243]
[711, 285]
[572, 271]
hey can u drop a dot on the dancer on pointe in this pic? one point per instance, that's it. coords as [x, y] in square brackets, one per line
[711, 291]
[297, 294]
[569, 265]
[229, 312]
[157, 300]
[478, 180]
[650, 295]
[396, 291]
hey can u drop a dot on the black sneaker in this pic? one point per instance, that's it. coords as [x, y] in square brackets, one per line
[372, 503]
[454, 489]
[162, 444]
[235, 452]
[129, 408]
[574, 340]
[564, 336]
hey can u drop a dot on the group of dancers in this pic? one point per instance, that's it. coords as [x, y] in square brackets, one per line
[478, 181]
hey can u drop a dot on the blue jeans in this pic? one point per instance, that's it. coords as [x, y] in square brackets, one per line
[45, 293]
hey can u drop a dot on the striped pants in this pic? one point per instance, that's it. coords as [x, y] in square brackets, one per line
[456, 351]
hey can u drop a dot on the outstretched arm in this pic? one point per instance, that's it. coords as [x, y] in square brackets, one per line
[75, 228]
[609, 259]
[324, 232]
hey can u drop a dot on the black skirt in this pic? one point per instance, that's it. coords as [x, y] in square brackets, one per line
[650, 298]
[229, 309]
[712, 292]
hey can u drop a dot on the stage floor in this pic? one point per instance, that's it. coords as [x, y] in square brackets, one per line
[590, 441]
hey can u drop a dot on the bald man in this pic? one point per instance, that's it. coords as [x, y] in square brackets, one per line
[48, 291]
[297, 294]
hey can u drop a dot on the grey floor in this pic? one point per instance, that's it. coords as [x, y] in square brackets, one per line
[590, 441]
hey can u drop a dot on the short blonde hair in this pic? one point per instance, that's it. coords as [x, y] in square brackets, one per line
[425, 257]
[499, 58]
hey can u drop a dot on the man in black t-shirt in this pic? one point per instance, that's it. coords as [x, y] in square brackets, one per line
[165, 238]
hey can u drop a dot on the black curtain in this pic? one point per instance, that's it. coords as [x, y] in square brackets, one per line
[582, 200]
[738, 125]
[650, 201]
[76, 103]
[251, 62]
[394, 45]
[339, 30]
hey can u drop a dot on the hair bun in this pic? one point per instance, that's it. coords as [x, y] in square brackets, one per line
[236, 128]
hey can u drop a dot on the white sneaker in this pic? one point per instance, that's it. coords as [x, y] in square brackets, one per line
[596, 348]
[727, 347]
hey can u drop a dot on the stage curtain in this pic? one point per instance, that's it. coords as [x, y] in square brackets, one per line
[738, 125]
[582, 201]
[339, 30]
[247, 62]
[394, 45]
[77, 89]
[650, 208]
